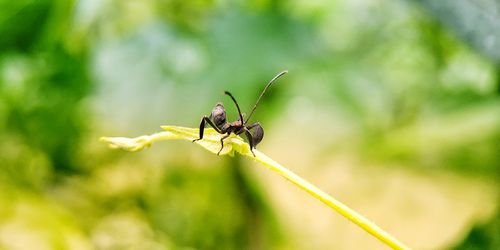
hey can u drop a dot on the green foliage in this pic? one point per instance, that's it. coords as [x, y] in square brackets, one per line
[482, 236]
[476, 22]
[42, 86]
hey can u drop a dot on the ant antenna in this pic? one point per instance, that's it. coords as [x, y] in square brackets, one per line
[264, 91]
[237, 106]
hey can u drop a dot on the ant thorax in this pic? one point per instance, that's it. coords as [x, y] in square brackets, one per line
[237, 123]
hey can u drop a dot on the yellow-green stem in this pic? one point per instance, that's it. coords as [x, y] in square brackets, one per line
[338, 206]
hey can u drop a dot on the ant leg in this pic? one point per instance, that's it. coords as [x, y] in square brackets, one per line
[205, 120]
[250, 140]
[202, 128]
[258, 133]
[222, 143]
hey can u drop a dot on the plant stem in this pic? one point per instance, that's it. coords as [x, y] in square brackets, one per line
[338, 206]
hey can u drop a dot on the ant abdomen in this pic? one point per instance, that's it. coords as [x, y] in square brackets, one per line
[258, 134]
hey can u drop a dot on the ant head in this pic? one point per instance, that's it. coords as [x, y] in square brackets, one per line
[219, 115]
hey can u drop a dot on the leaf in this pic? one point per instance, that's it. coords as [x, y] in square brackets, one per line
[210, 142]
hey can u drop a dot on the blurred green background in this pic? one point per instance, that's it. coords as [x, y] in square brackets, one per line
[393, 107]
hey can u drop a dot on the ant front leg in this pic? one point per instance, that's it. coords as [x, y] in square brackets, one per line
[222, 142]
[205, 120]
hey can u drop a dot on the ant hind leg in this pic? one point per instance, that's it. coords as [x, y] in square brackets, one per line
[250, 140]
[258, 133]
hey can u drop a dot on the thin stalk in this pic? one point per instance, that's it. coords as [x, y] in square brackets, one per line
[336, 205]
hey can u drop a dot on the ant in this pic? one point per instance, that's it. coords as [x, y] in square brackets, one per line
[217, 120]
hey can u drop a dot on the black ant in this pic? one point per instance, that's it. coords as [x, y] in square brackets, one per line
[217, 120]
